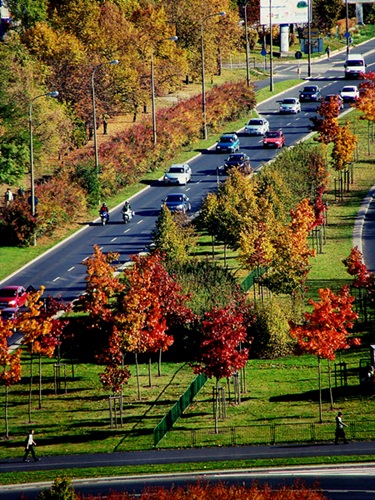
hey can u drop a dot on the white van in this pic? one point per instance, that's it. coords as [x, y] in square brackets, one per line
[354, 65]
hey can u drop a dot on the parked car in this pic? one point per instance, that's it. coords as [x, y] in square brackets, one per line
[257, 126]
[12, 296]
[274, 138]
[310, 93]
[237, 160]
[336, 97]
[178, 174]
[349, 93]
[177, 202]
[290, 105]
[228, 143]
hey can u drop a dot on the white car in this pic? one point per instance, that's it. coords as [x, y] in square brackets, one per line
[178, 174]
[257, 126]
[349, 93]
[290, 105]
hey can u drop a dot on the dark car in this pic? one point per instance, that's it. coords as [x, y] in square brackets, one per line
[177, 202]
[335, 97]
[228, 143]
[237, 160]
[310, 93]
[12, 296]
[274, 139]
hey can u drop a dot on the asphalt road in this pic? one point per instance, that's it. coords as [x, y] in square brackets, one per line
[61, 270]
[357, 481]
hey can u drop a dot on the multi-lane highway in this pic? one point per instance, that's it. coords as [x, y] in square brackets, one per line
[61, 270]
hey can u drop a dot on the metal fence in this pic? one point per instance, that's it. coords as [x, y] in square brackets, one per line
[267, 434]
[179, 407]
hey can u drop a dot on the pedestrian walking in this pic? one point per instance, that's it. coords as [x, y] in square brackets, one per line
[8, 196]
[340, 433]
[29, 447]
[328, 52]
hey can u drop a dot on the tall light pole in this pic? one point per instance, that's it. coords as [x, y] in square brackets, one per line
[115, 61]
[309, 17]
[271, 50]
[173, 39]
[204, 116]
[47, 94]
[247, 49]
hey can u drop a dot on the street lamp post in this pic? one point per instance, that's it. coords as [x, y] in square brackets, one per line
[115, 61]
[309, 17]
[271, 50]
[204, 116]
[32, 201]
[247, 49]
[154, 134]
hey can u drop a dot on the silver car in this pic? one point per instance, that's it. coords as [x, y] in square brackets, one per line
[257, 126]
[178, 174]
[290, 105]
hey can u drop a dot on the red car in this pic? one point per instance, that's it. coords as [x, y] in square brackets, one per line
[12, 296]
[274, 138]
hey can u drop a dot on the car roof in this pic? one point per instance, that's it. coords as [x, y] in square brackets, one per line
[178, 165]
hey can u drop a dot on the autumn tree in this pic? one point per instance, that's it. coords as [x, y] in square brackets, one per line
[290, 266]
[326, 15]
[34, 325]
[220, 354]
[10, 365]
[325, 330]
[327, 126]
[366, 102]
[343, 149]
[174, 236]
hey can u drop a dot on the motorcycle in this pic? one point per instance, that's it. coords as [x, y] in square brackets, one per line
[104, 216]
[127, 216]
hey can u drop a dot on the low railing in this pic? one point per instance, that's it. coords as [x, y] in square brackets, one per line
[267, 434]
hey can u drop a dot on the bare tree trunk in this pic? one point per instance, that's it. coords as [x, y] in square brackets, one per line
[159, 363]
[149, 372]
[137, 376]
[31, 382]
[6, 412]
[40, 382]
[217, 407]
[320, 391]
[330, 383]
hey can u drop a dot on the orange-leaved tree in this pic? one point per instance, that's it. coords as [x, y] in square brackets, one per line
[10, 363]
[34, 325]
[327, 126]
[220, 355]
[366, 102]
[343, 148]
[325, 330]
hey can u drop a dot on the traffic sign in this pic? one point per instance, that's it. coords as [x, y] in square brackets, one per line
[347, 34]
[264, 52]
[298, 55]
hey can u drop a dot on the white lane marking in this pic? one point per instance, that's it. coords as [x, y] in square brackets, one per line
[101, 248]
[127, 230]
[113, 239]
[58, 277]
[71, 269]
[188, 189]
[85, 258]
[140, 221]
[288, 124]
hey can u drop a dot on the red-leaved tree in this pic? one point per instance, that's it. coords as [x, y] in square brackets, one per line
[325, 330]
[220, 354]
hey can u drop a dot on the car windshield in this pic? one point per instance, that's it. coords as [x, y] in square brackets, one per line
[176, 170]
[310, 89]
[8, 293]
[273, 134]
[255, 122]
[235, 157]
[289, 101]
[227, 139]
[349, 89]
[173, 198]
[355, 63]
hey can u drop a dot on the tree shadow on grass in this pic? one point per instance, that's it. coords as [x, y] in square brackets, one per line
[339, 393]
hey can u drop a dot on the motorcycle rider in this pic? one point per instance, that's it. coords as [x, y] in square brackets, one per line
[104, 210]
[126, 209]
